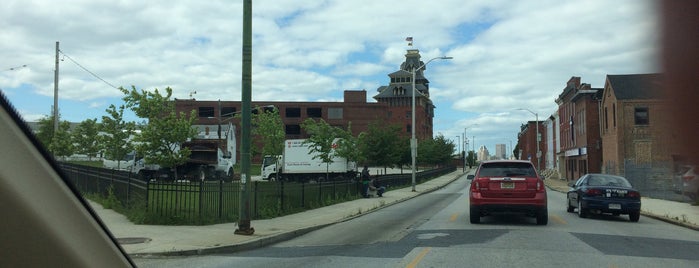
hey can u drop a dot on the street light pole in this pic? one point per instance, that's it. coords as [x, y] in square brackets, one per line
[538, 151]
[458, 147]
[413, 141]
[244, 227]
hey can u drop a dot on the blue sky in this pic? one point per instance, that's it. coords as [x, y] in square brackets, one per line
[507, 54]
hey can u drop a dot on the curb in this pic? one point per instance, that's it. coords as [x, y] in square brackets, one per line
[272, 239]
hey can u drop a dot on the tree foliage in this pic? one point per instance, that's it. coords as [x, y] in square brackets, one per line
[321, 139]
[269, 128]
[348, 145]
[435, 151]
[161, 138]
[62, 143]
[116, 142]
[45, 130]
[382, 145]
[85, 138]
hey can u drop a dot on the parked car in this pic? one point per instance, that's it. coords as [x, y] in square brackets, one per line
[603, 193]
[690, 183]
[507, 186]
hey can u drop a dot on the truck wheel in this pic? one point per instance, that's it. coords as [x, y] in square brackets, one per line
[272, 177]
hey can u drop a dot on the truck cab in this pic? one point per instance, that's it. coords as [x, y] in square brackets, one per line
[269, 167]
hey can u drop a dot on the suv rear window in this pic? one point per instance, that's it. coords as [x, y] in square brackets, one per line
[505, 169]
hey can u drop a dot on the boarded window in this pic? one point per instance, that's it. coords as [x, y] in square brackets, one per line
[334, 113]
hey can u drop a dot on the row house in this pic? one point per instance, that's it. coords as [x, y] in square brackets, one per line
[529, 148]
[635, 123]
[580, 143]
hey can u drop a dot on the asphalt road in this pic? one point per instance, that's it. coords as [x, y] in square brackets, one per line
[433, 231]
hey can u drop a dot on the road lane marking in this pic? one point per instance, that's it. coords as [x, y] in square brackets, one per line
[453, 217]
[558, 219]
[419, 257]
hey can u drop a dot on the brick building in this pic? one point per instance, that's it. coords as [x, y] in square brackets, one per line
[526, 138]
[393, 106]
[580, 141]
[634, 122]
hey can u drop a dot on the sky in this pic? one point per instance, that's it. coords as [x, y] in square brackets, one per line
[507, 55]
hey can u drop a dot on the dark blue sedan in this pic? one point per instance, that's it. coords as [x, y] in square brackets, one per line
[602, 193]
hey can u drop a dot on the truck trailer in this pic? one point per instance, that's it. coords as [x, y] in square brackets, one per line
[297, 164]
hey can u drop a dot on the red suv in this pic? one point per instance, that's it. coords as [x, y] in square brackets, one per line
[507, 186]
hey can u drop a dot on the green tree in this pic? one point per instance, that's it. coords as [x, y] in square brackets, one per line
[321, 140]
[382, 145]
[348, 144]
[62, 143]
[117, 141]
[45, 130]
[435, 151]
[161, 139]
[269, 128]
[471, 159]
[85, 138]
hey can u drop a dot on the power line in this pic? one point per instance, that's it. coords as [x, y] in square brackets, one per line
[15, 68]
[93, 74]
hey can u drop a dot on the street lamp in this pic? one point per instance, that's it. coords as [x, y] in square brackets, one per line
[458, 149]
[538, 152]
[467, 127]
[413, 141]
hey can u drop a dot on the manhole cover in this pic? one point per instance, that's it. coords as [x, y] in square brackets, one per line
[132, 240]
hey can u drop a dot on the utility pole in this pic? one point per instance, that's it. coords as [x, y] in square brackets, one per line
[244, 217]
[55, 95]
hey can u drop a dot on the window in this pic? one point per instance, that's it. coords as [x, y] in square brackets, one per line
[614, 114]
[407, 128]
[334, 113]
[314, 112]
[293, 112]
[293, 130]
[227, 111]
[606, 122]
[641, 115]
[206, 112]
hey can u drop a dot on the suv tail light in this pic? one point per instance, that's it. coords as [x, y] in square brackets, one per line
[540, 186]
[479, 184]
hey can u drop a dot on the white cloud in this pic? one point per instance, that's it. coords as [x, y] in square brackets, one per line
[507, 54]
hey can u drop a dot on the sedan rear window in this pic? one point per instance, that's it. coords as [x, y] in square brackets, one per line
[599, 180]
[506, 169]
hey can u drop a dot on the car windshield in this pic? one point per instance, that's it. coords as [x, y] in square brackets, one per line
[165, 118]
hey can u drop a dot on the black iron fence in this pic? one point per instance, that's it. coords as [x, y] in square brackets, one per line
[207, 202]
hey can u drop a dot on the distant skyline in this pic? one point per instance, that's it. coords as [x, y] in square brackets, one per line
[506, 54]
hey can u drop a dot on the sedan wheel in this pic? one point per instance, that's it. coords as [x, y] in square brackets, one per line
[582, 213]
[634, 216]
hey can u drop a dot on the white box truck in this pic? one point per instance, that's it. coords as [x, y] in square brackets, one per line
[297, 164]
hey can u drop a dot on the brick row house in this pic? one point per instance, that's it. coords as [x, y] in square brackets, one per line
[621, 129]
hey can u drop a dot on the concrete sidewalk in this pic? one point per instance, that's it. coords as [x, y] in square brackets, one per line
[146, 240]
[679, 213]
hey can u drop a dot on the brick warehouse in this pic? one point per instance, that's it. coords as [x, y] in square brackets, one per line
[392, 106]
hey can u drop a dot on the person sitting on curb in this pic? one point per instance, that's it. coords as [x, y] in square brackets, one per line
[375, 186]
[365, 182]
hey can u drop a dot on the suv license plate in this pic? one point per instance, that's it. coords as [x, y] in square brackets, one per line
[507, 185]
[614, 206]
